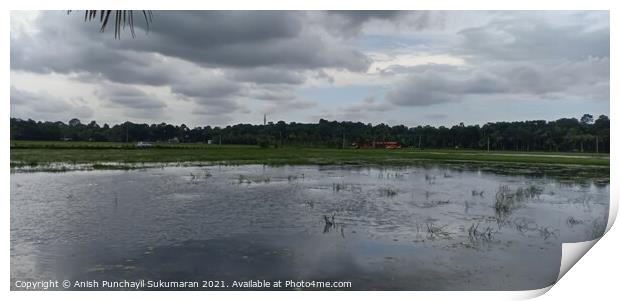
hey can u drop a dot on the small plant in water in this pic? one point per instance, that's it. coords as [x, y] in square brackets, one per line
[429, 179]
[598, 228]
[524, 225]
[546, 232]
[243, 179]
[329, 223]
[506, 200]
[342, 186]
[477, 235]
[193, 178]
[387, 191]
[571, 221]
[433, 231]
[467, 206]
[432, 204]
[533, 191]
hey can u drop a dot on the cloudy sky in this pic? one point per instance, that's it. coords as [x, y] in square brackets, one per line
[220, 68]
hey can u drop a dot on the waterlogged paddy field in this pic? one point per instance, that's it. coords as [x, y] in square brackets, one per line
[420, 227]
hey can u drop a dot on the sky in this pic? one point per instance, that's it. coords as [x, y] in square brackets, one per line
[227, 67]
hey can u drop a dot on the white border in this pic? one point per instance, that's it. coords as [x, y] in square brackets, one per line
[595, 274]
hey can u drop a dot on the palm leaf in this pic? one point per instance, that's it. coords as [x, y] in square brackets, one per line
[121, 18]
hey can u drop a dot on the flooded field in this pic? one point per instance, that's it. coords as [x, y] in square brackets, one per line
[420, 227]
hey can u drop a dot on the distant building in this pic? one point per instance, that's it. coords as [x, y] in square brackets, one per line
[380, 144]
[173, 140]
[388, 144]
[142, 144]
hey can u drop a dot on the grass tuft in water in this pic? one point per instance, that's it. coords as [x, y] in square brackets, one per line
[387, 191]
[476, 235]
[475, 192]
[434, 231]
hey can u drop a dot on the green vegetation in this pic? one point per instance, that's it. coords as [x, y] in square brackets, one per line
[101, 154]
[586, 134]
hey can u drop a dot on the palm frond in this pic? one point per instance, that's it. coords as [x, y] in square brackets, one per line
[121, 18]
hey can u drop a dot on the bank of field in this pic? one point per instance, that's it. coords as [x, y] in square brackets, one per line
[38, 153]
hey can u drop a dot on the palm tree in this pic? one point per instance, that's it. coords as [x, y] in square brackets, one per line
[121, 18]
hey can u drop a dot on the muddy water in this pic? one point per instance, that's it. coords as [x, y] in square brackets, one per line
[424, 227]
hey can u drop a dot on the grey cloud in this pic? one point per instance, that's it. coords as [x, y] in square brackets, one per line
[293, 105]
[531, 38]
[368, 104]
[273, 93]
[321, 74]
[400, 69]
[358, 17]
[130, 97]
[208, 106]
[437, 86]
[418, 96]
[351, 23]
[264, 75]
[214, 96]
[347, 22]
[131, 68]
[42, 106]
[588, 79]
[182, 48]
[62, 48]
[436, 116]
[65, 44]
[571, 77]
[244, 39]
[519, 55]
[307, 52]
[207, 87]
[133, 102]
[208, 28]
[217, 60]
[204, 118]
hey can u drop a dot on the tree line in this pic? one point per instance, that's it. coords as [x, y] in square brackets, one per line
[566, 134]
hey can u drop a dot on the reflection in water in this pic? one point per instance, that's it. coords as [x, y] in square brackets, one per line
[423, 227]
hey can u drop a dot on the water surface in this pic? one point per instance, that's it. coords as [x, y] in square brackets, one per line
[422, 227]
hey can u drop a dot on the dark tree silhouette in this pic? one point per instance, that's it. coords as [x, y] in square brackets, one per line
[566, 134]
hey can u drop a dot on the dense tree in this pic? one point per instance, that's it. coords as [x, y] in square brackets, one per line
[567, 134]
